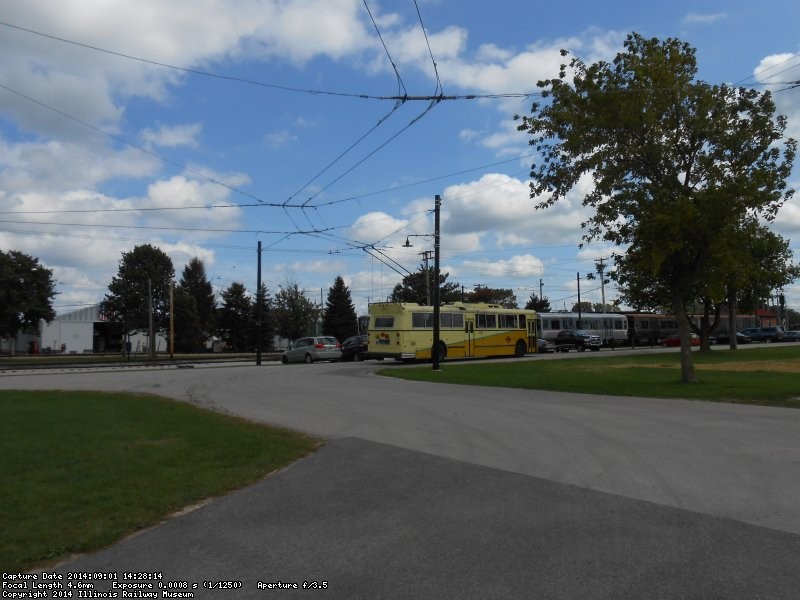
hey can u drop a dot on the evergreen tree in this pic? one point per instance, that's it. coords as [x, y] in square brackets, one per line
[267, 319]
[195, 283]
[538, 304]
[235, 319]
[339, 318]
[188, 333]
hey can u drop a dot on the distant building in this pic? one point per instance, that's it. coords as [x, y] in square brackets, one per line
[83, 331]
[88, 330]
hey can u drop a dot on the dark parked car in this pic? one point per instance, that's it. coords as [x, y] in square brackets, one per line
[725, 338]
[355, 348]
[764, 334]
[792, 336]
[576, 338]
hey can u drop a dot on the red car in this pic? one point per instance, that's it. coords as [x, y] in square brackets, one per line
[674, 340]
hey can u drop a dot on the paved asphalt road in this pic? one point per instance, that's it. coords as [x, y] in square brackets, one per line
[433, 491]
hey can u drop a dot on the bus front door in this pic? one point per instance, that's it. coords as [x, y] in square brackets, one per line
[533, 342]
[469, 331]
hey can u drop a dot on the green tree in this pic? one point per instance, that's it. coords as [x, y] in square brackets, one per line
[127, 300]
[267, 318]
[295, 315]
[415, 288]
[489, 295]
[538, 304]
[585, 307]
[753, 261]
[27, 290]
[189, 336]
[339, 318]
[235, 323]
[675, 162]
[195, 283]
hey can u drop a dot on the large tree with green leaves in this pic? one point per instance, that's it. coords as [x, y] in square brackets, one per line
[127, 298]
[675, 162]
[418, 287]
[295, 314]
[339, 318]
[27, 290]
[489, 295]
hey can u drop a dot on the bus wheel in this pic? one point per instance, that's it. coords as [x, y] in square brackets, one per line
[520, 349]
[442, 351]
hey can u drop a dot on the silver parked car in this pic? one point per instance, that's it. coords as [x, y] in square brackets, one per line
[312, 349]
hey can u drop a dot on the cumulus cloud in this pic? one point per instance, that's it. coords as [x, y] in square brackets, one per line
[499, 202]
[173, 136]
[704, 19]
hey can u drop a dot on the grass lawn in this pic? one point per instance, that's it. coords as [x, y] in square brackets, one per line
[80, 470]
[767, 375]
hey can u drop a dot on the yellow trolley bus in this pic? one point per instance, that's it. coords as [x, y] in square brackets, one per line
[405, 331]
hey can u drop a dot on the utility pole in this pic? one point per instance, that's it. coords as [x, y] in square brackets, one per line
[601, 268]
[579, 300]
[426, 255]
[172, 320]
[541, 284]
[150, 330]
[435, 349]
[259, 302]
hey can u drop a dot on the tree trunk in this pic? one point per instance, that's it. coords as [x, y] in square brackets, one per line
[732, 317]
[684, 330]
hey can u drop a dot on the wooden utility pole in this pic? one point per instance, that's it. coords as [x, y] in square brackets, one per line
[435, 349]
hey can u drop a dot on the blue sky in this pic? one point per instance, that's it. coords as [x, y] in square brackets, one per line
[291, 144]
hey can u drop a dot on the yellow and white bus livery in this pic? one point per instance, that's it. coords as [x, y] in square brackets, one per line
[404, 331]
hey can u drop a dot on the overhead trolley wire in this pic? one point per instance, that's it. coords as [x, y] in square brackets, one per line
[404, 97]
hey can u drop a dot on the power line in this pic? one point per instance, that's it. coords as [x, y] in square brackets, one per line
[314, 92]
[269, 204]
[138, 147]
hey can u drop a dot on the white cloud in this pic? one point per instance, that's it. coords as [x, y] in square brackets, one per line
[278, 139]
[92, 86]
[58, 166]
[173, 136]
[704, 19]
[523, 266]
[502, 203]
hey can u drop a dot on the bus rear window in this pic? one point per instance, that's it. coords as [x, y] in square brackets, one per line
[384, 322]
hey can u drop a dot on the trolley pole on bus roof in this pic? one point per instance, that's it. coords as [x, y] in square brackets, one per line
[435, 348]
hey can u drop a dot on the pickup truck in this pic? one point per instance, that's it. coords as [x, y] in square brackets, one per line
[576, 339]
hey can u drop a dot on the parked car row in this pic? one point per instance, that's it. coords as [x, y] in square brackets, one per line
[312, 349]
[761, 334]
[751, 334]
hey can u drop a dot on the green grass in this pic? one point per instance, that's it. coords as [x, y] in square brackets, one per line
[80, 470]
[758, 375]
